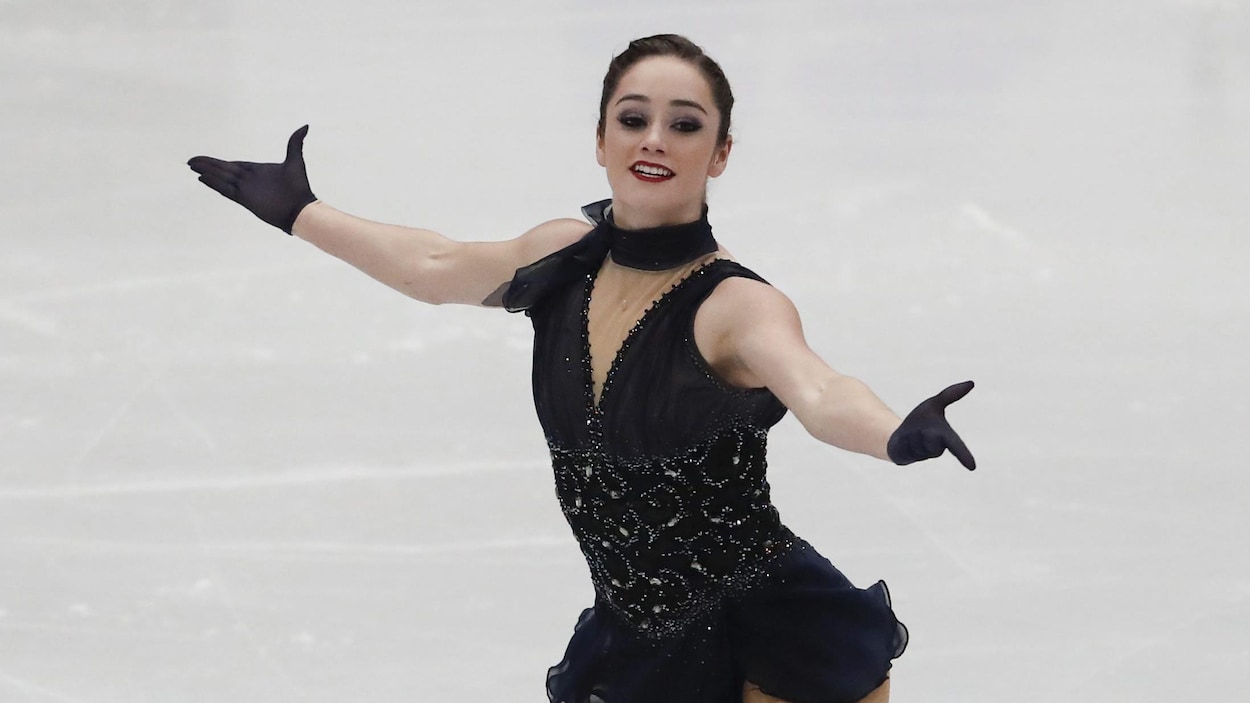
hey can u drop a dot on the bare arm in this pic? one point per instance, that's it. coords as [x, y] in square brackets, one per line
[417, 262]
[424, 264]
[753, 332]
[755, 338]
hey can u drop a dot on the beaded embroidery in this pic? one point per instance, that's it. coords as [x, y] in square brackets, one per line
[667, 538]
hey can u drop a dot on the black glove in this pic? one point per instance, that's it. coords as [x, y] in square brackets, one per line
[276, 193]
[925, 433]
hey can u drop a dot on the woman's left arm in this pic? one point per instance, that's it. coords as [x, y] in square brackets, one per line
[754, 336]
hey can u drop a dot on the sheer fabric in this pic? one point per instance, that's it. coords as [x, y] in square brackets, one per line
[662, 477]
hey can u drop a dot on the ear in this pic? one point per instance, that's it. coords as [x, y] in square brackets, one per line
[599, 156]
[720, 159]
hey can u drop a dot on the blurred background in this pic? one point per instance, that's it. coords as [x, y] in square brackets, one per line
[233, 468]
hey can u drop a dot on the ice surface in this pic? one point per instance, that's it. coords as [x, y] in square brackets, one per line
[233, 469]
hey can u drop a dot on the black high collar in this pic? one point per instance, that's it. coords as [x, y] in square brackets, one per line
[653, 249]
[659, 248]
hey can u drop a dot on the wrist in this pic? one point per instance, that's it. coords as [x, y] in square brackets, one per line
[306, 218]
[893, 450]
[889, 448]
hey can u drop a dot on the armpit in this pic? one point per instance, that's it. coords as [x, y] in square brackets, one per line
[495, 299]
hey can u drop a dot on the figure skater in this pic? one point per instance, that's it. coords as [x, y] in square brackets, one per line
[659, 365]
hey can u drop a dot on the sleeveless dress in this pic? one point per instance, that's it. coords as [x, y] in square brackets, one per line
[698, 585]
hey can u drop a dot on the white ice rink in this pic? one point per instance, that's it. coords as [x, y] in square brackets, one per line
[234, 469]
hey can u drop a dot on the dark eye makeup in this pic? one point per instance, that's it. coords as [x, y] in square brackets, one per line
[634, 121]
[688, 125]
[631, 120]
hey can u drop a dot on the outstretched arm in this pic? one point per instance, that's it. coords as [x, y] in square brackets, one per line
[424, 264]
[420, 263]
[754, 336]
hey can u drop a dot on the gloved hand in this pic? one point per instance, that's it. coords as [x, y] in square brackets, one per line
[925, 433]
[276, 193]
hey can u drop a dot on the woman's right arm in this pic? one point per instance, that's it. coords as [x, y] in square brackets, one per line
[417, 262]
[424, 264]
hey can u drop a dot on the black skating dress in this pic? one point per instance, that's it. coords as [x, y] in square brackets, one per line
[698, 584]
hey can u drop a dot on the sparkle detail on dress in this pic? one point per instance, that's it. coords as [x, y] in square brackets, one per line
[667, 538]
[597, 407]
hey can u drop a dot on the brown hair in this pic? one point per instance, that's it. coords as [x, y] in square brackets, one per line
[682, 48]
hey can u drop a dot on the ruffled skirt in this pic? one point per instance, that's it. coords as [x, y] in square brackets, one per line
[805, 634]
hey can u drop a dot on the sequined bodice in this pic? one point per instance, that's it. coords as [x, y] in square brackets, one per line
[663, 480]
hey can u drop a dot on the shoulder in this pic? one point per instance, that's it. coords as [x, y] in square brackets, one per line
[549, 237]
[564, 226]
[741, 297]
[539, 258]
[745, 310]
[743, 326]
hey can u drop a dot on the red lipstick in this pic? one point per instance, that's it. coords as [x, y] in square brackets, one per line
[650, 173]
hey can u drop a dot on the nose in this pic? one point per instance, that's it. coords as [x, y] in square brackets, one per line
[653, 140]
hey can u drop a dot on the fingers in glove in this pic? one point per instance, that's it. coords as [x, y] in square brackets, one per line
[221, 185]
[956, 445]
[200, 163]
[274, 192]
[223, 170]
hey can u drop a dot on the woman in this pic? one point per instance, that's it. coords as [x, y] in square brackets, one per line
[659, 366]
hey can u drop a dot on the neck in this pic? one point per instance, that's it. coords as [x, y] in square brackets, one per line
[627, 217]
[663, 247]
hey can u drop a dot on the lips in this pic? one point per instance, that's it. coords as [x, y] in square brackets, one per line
[649, 172]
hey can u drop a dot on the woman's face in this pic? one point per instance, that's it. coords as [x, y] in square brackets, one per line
[659, 143]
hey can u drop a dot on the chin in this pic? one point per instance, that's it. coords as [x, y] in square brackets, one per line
[656, 203]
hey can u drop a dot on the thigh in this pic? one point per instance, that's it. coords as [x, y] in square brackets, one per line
[752, 694]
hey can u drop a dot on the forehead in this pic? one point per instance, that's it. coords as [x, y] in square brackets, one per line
[664, 78]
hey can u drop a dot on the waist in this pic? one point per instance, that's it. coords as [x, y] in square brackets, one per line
[661, 592]
[667, 538]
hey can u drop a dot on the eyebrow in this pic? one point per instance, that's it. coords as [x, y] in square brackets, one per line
[678, 103]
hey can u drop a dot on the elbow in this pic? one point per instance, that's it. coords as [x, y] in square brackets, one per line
[423, 277]
[810, 413]
[823, 410]
[820, 428]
